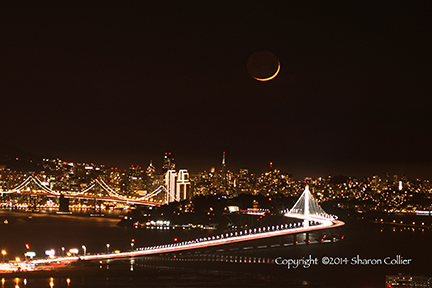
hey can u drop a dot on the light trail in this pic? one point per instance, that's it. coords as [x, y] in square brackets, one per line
[197, 244]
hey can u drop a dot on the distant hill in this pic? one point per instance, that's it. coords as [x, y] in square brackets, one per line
[19, 159]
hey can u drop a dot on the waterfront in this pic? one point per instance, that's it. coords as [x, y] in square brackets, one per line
[253, 267]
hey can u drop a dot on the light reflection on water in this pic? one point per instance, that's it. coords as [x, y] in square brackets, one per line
[35, 283]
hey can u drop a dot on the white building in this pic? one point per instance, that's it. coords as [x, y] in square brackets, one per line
[177, 185]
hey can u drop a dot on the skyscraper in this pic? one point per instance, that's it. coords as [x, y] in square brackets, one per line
[177, 185]
[183, 185]
[135, 181]
[168, 162]
[150, 169]
[170, 183]
[224, 182]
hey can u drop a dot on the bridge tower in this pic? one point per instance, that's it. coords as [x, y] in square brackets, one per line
[307, 206]
[64, 204]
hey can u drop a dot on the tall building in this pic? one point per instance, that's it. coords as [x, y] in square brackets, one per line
[150, 171]
[168, 162]
[124, 181]
[224, 182]
[243, 184]
[135, 181]
[183, 184]
[170, 183]
[177, 185]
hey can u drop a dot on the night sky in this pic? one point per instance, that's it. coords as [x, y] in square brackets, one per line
[121, 82]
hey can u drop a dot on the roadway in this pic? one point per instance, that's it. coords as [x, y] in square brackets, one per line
[223, 239]
[92, 197]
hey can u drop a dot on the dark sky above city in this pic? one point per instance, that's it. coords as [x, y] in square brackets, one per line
[121, 82]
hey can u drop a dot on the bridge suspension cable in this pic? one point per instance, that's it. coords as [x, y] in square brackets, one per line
[110, 191]
[307, 205]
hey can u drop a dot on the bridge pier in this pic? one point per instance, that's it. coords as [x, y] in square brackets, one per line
[320, 236]
[97, 211]
[327, 234]
[31, 202]
[64, 204]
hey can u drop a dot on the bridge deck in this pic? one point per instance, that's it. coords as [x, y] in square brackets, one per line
[190, 245]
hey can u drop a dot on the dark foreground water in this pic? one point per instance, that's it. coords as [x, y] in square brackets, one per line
[233, 267]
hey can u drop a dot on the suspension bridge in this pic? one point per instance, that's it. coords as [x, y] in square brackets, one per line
[313, 217]
[95, 190]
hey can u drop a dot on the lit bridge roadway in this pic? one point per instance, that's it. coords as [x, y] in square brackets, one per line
[306, 209]
[109, 194]
[98, 198]
[223, 239]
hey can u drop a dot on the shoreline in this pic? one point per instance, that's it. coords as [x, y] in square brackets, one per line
[42, 213]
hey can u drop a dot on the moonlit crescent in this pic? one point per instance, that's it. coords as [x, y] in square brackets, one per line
[271, 77]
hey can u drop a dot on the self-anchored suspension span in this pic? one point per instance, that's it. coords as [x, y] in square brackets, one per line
[307, 207]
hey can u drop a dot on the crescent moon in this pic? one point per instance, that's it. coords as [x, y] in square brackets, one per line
[271, 77]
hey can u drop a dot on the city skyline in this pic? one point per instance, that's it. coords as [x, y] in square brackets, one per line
[160, 168]
[121, 83]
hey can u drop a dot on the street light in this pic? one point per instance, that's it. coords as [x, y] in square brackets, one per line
[108, 246]
[63, 251]
[3, 252]
[84, 248]
[132, 244]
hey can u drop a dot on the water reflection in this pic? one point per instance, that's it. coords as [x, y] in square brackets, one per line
[35, 283]
[132, 262]
[404, 229]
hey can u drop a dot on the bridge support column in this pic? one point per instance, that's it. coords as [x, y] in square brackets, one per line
[31, 202]
[64, 204]
[320, 236]
[307, 240]
[306, 207]
[97, 210]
